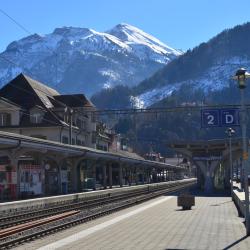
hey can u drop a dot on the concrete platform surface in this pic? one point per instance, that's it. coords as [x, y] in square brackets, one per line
[157, 224]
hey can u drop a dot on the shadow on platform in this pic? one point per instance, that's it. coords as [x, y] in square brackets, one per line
[199, 193]
[235, 243]
[226, 248]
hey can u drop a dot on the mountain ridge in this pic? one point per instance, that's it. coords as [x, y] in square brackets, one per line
[206, 69]
[74, 59]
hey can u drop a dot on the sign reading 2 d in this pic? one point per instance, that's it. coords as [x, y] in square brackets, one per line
[220, 117]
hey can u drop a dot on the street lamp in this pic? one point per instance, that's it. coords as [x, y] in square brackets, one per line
[230, 133]
[70, 112]
[241, 76]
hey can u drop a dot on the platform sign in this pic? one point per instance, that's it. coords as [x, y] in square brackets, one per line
[230, 117]
[220, 118]
[210, 118]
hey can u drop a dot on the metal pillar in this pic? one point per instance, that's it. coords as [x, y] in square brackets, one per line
[60, 177]
[143, 175]
[244, 160]
[14, 162]
[230, 132]
[120, 175]
[129, 177]
[231, 165]
[136, 176]
[104, 176]
[110, 175]
[94, 175]
[75, 176]
[237, 171]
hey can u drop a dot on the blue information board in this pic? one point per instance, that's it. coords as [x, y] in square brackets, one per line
[230, 117]
[220, 118]
[210, 118]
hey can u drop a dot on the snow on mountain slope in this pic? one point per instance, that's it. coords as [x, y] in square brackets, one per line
[215, 78]
[142, 42]
[84, 60]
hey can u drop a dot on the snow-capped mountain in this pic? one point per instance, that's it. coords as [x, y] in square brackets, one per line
[215, 78]
[142, 44]
[84, 60]
[206, 70]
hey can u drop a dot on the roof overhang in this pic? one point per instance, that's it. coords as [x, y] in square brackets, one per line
[11, 140]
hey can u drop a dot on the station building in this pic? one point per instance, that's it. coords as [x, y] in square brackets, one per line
[30, 108]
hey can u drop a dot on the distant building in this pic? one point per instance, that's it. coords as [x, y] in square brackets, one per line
[152, 156]
[103, 136]
[31, 108]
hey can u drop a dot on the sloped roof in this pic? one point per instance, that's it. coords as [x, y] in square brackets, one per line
[42, 91]
[41, 87]
[75, 100]
[27, 92]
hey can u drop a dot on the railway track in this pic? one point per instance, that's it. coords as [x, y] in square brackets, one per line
[39, 225]
[12, 220]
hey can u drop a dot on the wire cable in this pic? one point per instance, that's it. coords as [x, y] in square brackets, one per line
[16, 22]
[28, 32]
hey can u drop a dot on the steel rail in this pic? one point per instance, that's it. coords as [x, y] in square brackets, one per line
[10, 242]
[8, 221]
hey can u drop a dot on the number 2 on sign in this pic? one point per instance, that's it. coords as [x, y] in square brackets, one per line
[210, 119]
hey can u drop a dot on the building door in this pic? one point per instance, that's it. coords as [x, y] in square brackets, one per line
[51, 178]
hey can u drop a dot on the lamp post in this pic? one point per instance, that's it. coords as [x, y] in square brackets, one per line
[69, 111]
[230, 133]
[241, 76]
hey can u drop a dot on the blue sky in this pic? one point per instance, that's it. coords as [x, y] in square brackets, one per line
[181, 24]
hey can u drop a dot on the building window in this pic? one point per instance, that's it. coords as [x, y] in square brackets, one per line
[36, 118]
[93, 117]
[93, 137]
[80, 123]
[65, 140]
[5, 119]
[73, 141]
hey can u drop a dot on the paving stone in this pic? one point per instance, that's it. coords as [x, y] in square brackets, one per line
[212, 224]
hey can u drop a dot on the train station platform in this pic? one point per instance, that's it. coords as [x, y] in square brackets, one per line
[213, 223]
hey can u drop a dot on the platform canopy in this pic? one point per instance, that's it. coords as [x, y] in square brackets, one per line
[9, 141]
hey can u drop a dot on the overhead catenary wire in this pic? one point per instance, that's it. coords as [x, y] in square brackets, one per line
[30, 33]
[15, 21]
[27, 31]
[28, 114]
[100, 112]
[30, 93]
[135, 111]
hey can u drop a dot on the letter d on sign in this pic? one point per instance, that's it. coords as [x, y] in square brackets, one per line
[229, 119]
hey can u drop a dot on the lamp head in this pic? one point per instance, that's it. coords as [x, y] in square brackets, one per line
[240, 72]
[230, 132]
[241, 75]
